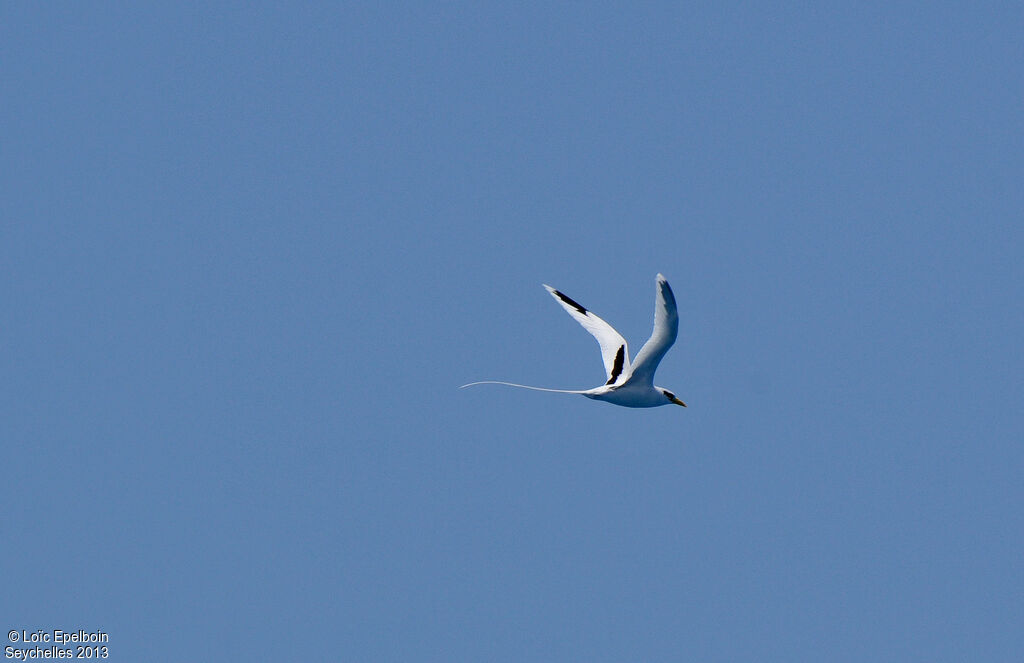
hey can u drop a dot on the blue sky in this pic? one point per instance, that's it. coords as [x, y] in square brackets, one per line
[250, 251]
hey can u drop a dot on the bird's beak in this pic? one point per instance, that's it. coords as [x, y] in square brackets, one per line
[678, 402]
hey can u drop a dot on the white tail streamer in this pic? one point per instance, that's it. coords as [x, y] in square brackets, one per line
[526, 386]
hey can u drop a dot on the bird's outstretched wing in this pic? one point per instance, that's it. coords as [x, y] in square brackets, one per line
[666, 327]
[614, 350]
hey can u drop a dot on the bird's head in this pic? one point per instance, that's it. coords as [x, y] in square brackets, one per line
[671, 397]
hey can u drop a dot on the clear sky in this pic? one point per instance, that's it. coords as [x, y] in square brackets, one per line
[249, 252]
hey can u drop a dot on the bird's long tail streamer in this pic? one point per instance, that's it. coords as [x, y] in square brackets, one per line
[525, 386]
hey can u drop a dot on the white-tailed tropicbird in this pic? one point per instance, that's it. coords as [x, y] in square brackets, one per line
[630, 384]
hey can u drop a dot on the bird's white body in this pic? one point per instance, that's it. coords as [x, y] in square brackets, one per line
[630, 384]
[630, 394]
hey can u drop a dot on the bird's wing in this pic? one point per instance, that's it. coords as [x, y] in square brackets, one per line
[614, 350]
[666, 327]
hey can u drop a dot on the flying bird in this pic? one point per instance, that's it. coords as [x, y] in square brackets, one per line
[630, 384]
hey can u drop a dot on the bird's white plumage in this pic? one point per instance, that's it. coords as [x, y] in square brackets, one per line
[666, 328]
[609, 339]
[629, 384]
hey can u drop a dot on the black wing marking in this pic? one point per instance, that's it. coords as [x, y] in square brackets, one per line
[570, 302]
[620, 356]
